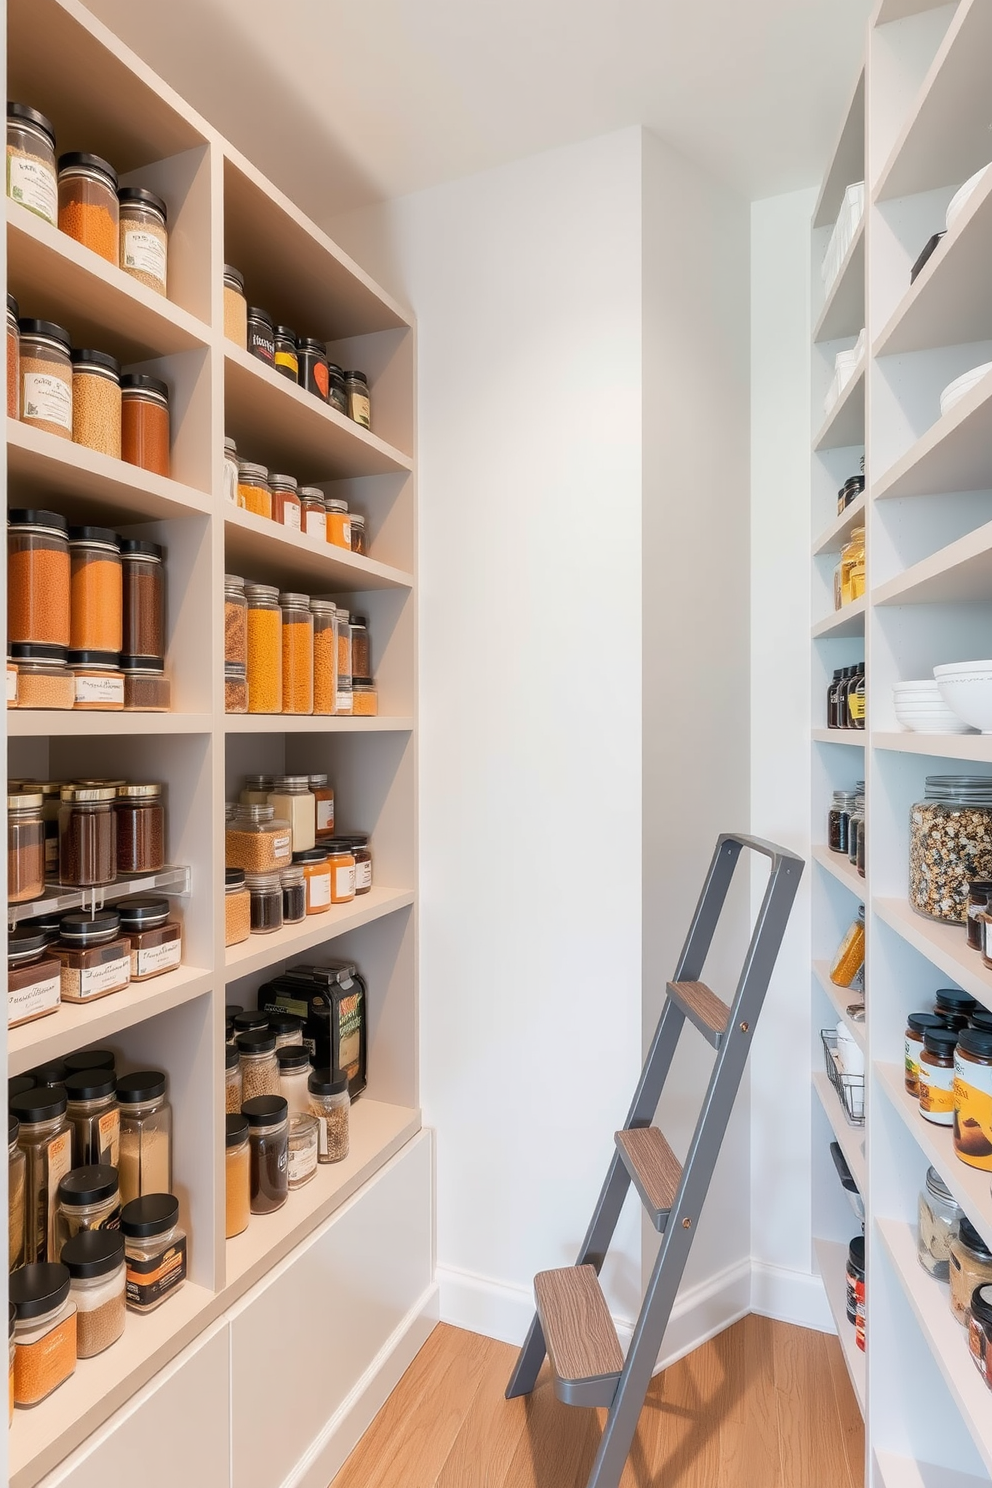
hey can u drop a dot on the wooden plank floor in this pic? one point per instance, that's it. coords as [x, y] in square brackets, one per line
[763, 1405]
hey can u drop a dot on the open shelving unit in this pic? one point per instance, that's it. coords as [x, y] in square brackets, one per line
[221, 209]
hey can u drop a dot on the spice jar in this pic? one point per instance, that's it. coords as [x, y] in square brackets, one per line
[838, 819]
[235, 688]
[973, 1097]
[286, 360]
[25, 847]
[259, 1067]
[232, 1080]
[294, 895]
[313, 513]
[98, 682]
[156, 941]
[359, 541]
[362, 855]
[93, 1115]
[38, 583]
[145, 427]
[46, 377]
[144, 238]
[264, 649]
[235, 307]
[237, 907]
[937, 1076]
[361, 651]
[90, 1059]
[96, 616]
[294, 1074]
[146, 1135]
[96, 402]
[297, 653]
[344, 697]
[970, 1267]
[254, 494]
[88, 1199]
[852, 567]
[338, 522]
[140, 817]
[939, 1217]
[45, 1138]
[155, 1250]
[143, 591]
[265, 891]
[44, 1331]
[95, 956]
[146, 688]
[237, 1175]
[325, 656]
[87, 836]
[303, 1145]
[323, 799]
[342, 865]
[917, 1024]
[88, 209]
[359, 402]
[847, 968]
[235, 621]
[95, 1262]
[285, 501]
[950, 844]
[365, 698]
[268, 1129]
[32, 179]
[291, 800]
[16, 1194]
[13, 360]
[257, 841]
[261, 335]
[337, 395]
[856, 1289]
[331, 1104]
[316, 870]
[43, 680]
[312, 367]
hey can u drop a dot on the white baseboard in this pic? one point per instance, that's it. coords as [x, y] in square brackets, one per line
[790, 1297]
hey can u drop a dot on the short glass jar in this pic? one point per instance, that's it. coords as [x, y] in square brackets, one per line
[970, 1267]
[96, 402]
[261, 335]
[38, 584]
[337, 394]
[361, 650]
[232, 1080]
[237, 1174]
[973, 1097]
[32, 178]
[917, 1024]
[87, 836]
[265, 890]
[950, 844]
[342, 865]
[286, 360]
[291, 800]
[297, 653]
[235, 687]
[235, 307]
[155, 1250]
[93, 1114]
[338, 522]
[313, 513]
[362, 854]
[43, 679]
[140, 818]
[331, 1104]
[365, 698]
[264, 649]
[294, 895]
[316, 869]
[838, 819]
[251, 1020]
[259, 1066]
[359, 539]
[156, 940]
[46, 377]
[325, 656]
[143, 575]
[312, 367]
[88, 207]
[323, 797]
[44, 1331]
[237, 907]
[937, 1076]
[285, 501]
[254, 492]
[146, 688]
[45, 1138]
[304, 1139]
[939, 1217]
[16, 1196]
[359, 400]
[13, 360]
[256, 790]
[34, 978]
[94, 955]
[88, 1199]
[146, 439]
[144, 237]
[146, 1135]
[257, 840]
[268, 1129]
[95, 1262]
[98, 682]
[25, 846]
[294, 1074]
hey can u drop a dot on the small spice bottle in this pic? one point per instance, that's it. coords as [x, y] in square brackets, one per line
[973, 1097]
[144, 237]
[258, 841]
[254, 493]
[145, 425]
[87, 836]
[313, 513]
[316, 870]
[978, 900]
[838, 818]
[359, 540]
[937, 1076]
[237, 907]
[16, 1193]
[95, 956]
[285, 501]
[146, 1134]
[95, 1262]
[93, 1115]
[312, 367]
[32, 179]
[96, 402]
[364, 697]
[268, 1129]
[264, 649]
[297, 653]
[265, 891]
[331, 1104]
[325, 656]
[291, 801]
[303, 1144]
[25, 846]
[261, 335]
[259, 1066]
[337, 394]
[294, 895]
[232, 1079]
[45, 1138]
[88, 1199]
[237, 1173]
[917, 1024]
[37, 578]
[13, 360]
[44, 1331]
[338, 522]
[970, 1267]
[140, 818]
[294, 1073]
[235, 307]
[46, 377]
[143, 592]
[98, 682]
[88, 209]
[362, 855]
[359, 400]
[323, 797]
[342, 864]
[154, 1249]
[43, 679]
[939, 1217]
[97, 614]
[286, 360]
[156, 941]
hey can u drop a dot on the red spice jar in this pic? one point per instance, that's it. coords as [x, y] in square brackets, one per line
[145, 436]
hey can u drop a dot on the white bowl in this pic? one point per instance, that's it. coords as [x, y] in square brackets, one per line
[923, 685]
[956, 390]
[971, 699]
[940, 723]
[906, 699]
[961, 669]
[960, 198]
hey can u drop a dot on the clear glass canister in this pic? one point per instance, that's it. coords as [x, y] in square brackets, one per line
[146, 439]
[316, 869]
[87, 836]
[847, 967]
[364, 697]
[939, 1217]
[44, 1331]
[323, 797]
[231, 471]
[43, 679]
[46, 377]
[331, 1104]
[294, 1073]
[143, 577]
[265, 892]
[291, 800]
[359, 400]
[146, 1135]
[950, 844]
[96, 622]
[970, 1267]
[235, 307]
[95, 956]
[264, 649]
[304, 1137]
[254, 492]
[45, 1138]
[337, 395]
[93, 1115]
[232, 1080]
[359, 539]
[288, 1029]
[32, 178]
[237, 907]
[313, 513]
[98, 684]
[297, 654]
[838, 820]
[13, 360]
[95, 1262]
[38, 584]
[325, 656]
[342, 865]
[156, 940]
[34, 977]
[88, 207]
[25, 847]
[89, 1199]
[256, 790]
[285, 501]
[294, 895]
[235, 621]
[286, 360]
[237, 1174]
[258, 841]
[344, 697]
[338, 522]
[852, 567]
[259, 1066]
[154, 1249]
[96, 402]
[16, 1194]
[268, 1129]
[144, 237]
[261, 335]
[140, 816]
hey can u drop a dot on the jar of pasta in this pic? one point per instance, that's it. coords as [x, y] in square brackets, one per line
[46, 377]
[88, 209]
[144, 237]
[297, 653]
[235, 307]
[254, 494]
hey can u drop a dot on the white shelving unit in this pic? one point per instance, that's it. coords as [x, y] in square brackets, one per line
[335, 1232]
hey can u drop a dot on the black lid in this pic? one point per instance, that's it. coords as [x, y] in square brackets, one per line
[293, 1056]
[940, 1040]
[357, 681]
[250, 1019]
[360, 375]
[981, 1305]
[257, 1041]
[29, 516]
[41, 1103]
[52, 1073]
[146, 198]
[142, 909]
[138, 545]
[32, 116]
[954, 1000]
[152, 1214]
[357, 839]
[90, 1084]
[18, 1085]
[286, 333]
[327, 1082]
[311, 855]
[91, 162]
[232, 1009]
[47, 924]
[981, 1018]
[856, 1253]
[281, 1022]
[81, 928]
[31, 327]
[37, 1288]
[13, 1127]
[237, 1129]
[359, 619]
[230, 272]
[97, 358]
[969, 1236]
[266, 1110]
[12, 305]
[335, 370]
[22, 942]
[109, 659]
[310, 343]
[93, 1253]
[91, 1059]
[255, 312]
[27, 651]
[94, 534]
[920, 1022]
[89, 1185]
[146, 1085]
[138, 381]
[976, 1041]
[234, 878]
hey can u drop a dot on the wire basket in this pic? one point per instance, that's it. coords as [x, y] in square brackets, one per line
[850, 1088]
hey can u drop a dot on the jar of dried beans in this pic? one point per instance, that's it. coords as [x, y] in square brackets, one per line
[235, 621]
[37, 577]
[259, 1066]
[261, 335]
[156, 940]
[34, 978]
[96, 620]
[25, 847]
[87, 836]
[43, 679]
[297, 653]
[95, 956]
[331, 1104]
[145, 429]
[140, 828]
[46, 377]
[95, 1262]
[44, 1331]
[285, 501]
[96, 402]
[257, 841]
[32, 178]
[144, 237]
[88, 209]
[254, 494]
[313, 513]
[143, 575]
[325, 656]
[146, 1135]
[13, 360]
[235, 307]
[264, 649]
[950, 844]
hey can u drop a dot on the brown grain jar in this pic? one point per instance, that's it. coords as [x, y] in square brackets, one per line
[156, 940]
[140, 822]
[143, 578]
[87, 836]
[25, 847]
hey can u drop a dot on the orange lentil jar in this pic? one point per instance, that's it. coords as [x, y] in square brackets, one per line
[37, 578]
[145, 431]
[97, 614]
[254, 494]
[297, 653]
[325, 658]
[264, 649]
[88, 209]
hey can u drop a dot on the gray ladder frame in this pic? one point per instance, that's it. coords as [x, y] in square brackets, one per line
[732, 1051]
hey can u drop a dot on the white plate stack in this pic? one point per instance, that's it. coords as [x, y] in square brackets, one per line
[920, 709]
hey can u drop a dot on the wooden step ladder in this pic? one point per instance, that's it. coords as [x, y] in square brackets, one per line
[572, 1324]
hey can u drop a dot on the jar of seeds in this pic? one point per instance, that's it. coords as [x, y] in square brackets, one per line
[331, 1104]
[259, 1066]
[950, 844]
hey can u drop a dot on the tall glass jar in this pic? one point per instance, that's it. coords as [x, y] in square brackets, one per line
[342, 864]
[362, 854]
[46, 377]
[97, 615]
[337, 395]
[838, 818]
[285, 501]
[25, 847]
[361, 650]
[316, 870]
[294, 1072]
[13, 360]
[87, 836]
[237, 1175]
[140, 817]
[323, 796]
[94, 1117]
[237, 907]
[268, 1128]
[261, 335]
[95, 1262]
[313, 513]
[88, 208]
[144, 237]
[38, 585]
[338, 522]
[259, 1066]
[232, 1080]
[146, 1135]
[254, 492]
[979, 892]
[265, 902]
[325, 656]
[44, 1331]
[264, 649]
[96, 401]
[345, 702]
[950, 843]
[297, 653]
[231, 471]
[16, 1196]
[146, 438]
[312, 373]
[32, 179]
[235, 621]
[939, 1218]
[235, 307]
[359, 540]
[45, 1138]
[143, 576]
[294, 895]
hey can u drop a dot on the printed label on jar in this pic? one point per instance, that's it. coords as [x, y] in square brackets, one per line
[856, 706]
[972, 1112]
[291, 516]
[976, 1344]
[109, 1129]
[363, 875]
[149, 1281]
[361, 409]
[325, 815]
[350, 1033]
[11, 686]
[288, 359]
[322, 1135]
[315, 525]
[59, 1163]
[937, 1094]
[99, 689]
[912, 1064]
[153, 960]
[144, 253]
[344, 883]
[47, 399]
[319, 889]
[109, 977]
[33, 185]
[343, 702]
[302, 1163]
[34, 1002]
[281, 847]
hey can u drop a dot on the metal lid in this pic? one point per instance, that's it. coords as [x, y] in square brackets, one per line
[251, 468]
[235, 275]
[233, 581]
[140, 791]
[138, 196]
[138, 382]
[89, 1185]
[146, 1085]
[25, 801]
[88, 793]
[313, 493]
[93, 1253]
[152, 1214]
[966, 789]
[336, 503]
[289, 481]
[39, 1287]
[292, 601]
[26, 516]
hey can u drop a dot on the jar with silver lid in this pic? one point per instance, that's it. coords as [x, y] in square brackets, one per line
[939, 1218]
[950, 844]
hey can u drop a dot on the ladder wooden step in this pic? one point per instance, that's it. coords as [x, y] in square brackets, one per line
[585, 1353]
[709, 1013]
[655, 1170]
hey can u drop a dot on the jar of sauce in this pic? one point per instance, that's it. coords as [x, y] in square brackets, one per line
[973, 1098]
[937, 1076]
[261, 335]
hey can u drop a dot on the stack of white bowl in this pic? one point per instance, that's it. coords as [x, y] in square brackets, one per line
[966, 688]
[920, 709]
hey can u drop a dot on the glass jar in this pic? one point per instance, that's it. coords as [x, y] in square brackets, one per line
[316, 869]
[297, 654]
[32, 178]
[156, 941]
[261, 335]
[235, 621]
[362, 855]
[232, 1080]
[359, 540]
[342, 864]
[265, 890]
[88, 208]
[230, 471]
[855, 827]
[13, 360]
[44, 1331]
[257, 841]
[237, 907]
[323, 797]
[38, 584]
[237, 1175]
[359, 402]
[313, 513]
[361, 651]
[259, 1066]
[256, 790]
[93, 1115]
[10, 1363]
[16, 1194]
[856, 1288]
[50, 793]
[303, 1144]
[312, 371]
[838, 819]
[155, 1250]
[140, 817]
[34, 978]
[268, 1130]
[856, 701]
[88, 1199]
[25, 847]
[96, 402]
[286, 360]
[235, 307]
[951, 1001]
[45, 1138]
[939, 1217]
[345, 679]
[98, 682]
[331, 1104]
[145, 423]
[46, 377]
[917, 1024]
[143, 597]
[294, 895]
[325, 656]
[980, 1332]
[144, 237]
[337, 395]
[95, 1262]
[95, 956]
[338, 522]
[291, 800]
[970, 1267]
[285, 501]
[937, 1076]
[264, 649]
[364, 698]
[87, 836]
[254, 492]
[43, 679]
[852, 567]
[235, 688]
[973, 1097]
[146, 689]
[96, 618]
[950, 844]
[294, 1073]
[146, 1135]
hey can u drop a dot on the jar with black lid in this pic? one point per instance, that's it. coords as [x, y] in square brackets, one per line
[89, 1199]
[93, 1115]
[973, 1098]
[143, 579]
[44, 1331]
[87, 836]
[268, 1131]
[287, 1027]
[38, 586]
[146, 427]
[979, 891]
[337, 393]
[88, 206]
[937, 1076]
[312, 361]
[359, 400]
[146, 1134]
[261, 335]
[34, 978]
[95, 1261]
[362, 855]
[235, 307]
[90, 1059]
[144, 237]
[46, 377]
[294, 895]
[286, 360]
[265, 890]
[31, 174]
[96, 401]
[251, 1020]
[156, 941]
[95, 956]
[971, 1267]
[259, 1066]
[918, 1024]
[155, 1250]
[45, 1138]
[952, 1000]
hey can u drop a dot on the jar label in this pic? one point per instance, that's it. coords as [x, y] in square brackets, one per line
[34, 1001]
[325, 815]
[288, 359]
[105, 690]
[281, 847]
[291, 516]
[109, 1129]
[149, 1280]
[363, 875]
[47, 399]
[153, 960]
[32, 183]
[973, 1112]
[344, 883]
[144, 253]
[856, 705]
[360, 408]
[11, 686]
[319, 890]
[58, 1163]
[321, 378]
[344, 702]
[108, 977]
[315, 525]
[912, 1064]
[937, 1094]
[322, 1135]
[302, 1163]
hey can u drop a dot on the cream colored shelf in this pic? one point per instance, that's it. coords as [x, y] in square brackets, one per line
[831, 1257]
[894, 1471]
[37, 723]
[960, 573]
[847, 163]
[260, 548]
[853, 737]
[260, 951]
[849, 621]
[833, 538]
[284, 723]
[977, 747]
[850, 1139]
[845, 423]
[840, 868]
[898, 10]
[843, 312]
[840, 999]
[955, 453]
[946, 946]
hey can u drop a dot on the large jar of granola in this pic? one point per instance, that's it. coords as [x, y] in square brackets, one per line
[950, 844]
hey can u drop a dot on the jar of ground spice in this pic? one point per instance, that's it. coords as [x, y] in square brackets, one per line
[143, 576]
[331, 1104]
[286, 360]
[285, 501]
[312, 373]
[235, 687]
[37, 578]
[146, 440]
[261, 335]
[95, 1262]
[235, 307]
[323, 797]
[13, 360]
[316, 870]
[96, 402]
[16, 1181]
[362, 855]
[259, 1066]
[45, 1138]
[359, 401]
[254, 492]
[359, 542]
[294, 895]
[44, 1331]
[46, 377]
[140, 817]
[156, 940]
[89, 1199]
[96, 617]
[268, 1131]
[297, 653]
[95, 956]
[146, 1135]
[338, 522]
[43, 679]
[364, 697]
[154, 1249]
[313, 513]
[87, 836]
[342, 865]
[361, 651]
[93, 1115]
[345, 669]
[264, 649]
[34, 978]
[146, 688]
[144, 237]
[99, 681]
[235, 621]
[265, 890]
[88, 209]
[257, 841]
[25, 847]
[237, 1174]
[237, 907]
[32, 179]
